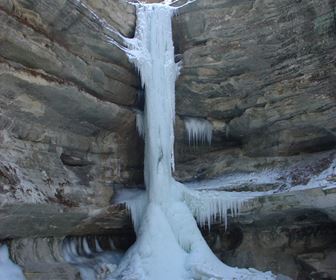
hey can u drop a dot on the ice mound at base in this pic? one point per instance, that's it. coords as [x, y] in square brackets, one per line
[170, 245]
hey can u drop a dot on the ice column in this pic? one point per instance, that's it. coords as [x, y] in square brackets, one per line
[152, 52]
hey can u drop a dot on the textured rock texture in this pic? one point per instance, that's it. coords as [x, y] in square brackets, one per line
[297, 243]
[67, 126]
[292, 233]
[262, 71]
[43, 258]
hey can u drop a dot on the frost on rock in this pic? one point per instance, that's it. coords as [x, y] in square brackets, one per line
[199, 130]
[326, 179]
[9, 270]
[169, 243]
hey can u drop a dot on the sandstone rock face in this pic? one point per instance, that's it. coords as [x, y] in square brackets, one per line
[299, 244]
[262, 71]
[44, 258]
[67, 126]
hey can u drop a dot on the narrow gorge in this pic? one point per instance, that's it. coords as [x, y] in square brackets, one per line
[254, 129]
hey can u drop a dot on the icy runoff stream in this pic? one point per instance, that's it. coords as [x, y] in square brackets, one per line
[169, 245]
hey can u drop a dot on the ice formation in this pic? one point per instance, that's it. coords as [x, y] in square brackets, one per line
[140, 123]
[199, 130]
[137, 205]
[207, 206]
[9, 270]
[169, 244]
[93, 263]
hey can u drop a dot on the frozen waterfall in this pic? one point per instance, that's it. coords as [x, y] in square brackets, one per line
[169, 244]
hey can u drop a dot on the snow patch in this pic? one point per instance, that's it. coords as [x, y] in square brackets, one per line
[326, 179]
[228, 182]
[9, 270]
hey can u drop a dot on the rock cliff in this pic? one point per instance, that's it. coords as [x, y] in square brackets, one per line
[67, 122]
[262, 72]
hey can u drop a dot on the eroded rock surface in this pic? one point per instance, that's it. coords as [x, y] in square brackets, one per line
[299, 244]
[66, 115]
[48, 258]
[262, 71]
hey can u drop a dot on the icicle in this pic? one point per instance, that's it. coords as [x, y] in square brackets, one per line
[98, 248]
[86, 247]
[92, 265]
[199, 130]
[208, 206]
[137, 207]
[111, 243]
[73, 247]
[79, 245]
[140, 123]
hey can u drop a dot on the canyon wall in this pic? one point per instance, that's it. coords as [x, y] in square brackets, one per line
[262, 72]
[68, 136]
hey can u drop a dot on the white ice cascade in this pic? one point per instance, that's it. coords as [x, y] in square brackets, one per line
[152, 52]
[169, 244]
